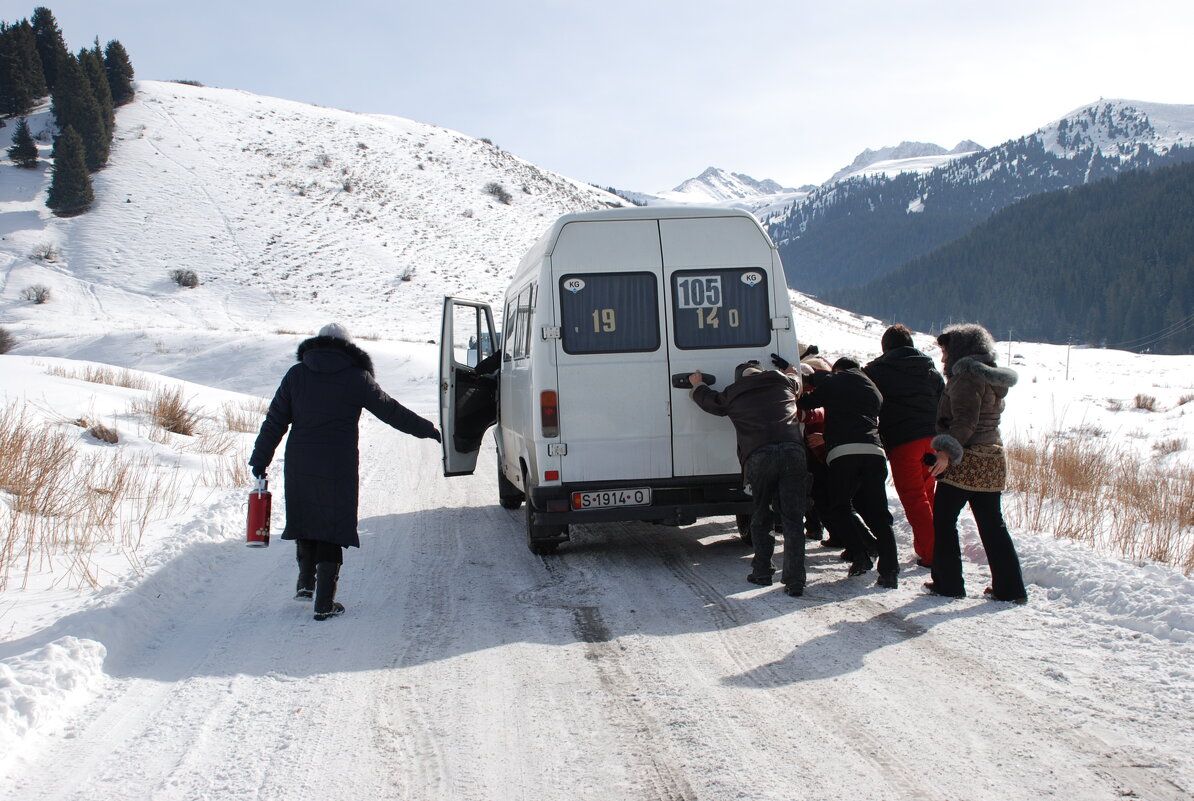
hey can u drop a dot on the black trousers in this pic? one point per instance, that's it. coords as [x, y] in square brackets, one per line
[1007, 582]
[322, 551]
[858, 488]
[778, 472]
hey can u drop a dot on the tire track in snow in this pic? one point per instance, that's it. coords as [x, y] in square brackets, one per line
[678, 556]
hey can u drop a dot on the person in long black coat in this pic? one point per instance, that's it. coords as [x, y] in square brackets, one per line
[320, 401]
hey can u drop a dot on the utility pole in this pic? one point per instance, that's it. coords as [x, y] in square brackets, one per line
[1068, 345]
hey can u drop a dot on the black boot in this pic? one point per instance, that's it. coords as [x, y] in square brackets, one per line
[326, 576]
[305, 556]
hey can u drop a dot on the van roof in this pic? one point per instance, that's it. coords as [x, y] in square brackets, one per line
[546, 243]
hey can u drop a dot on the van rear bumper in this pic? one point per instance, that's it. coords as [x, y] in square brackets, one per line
[674, 501]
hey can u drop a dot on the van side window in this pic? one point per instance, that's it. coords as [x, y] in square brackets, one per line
[609, 312]
[521, 327]
[526, 308]
[726, 308]
[508, 329]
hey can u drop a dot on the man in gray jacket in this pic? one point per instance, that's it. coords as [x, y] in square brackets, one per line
[762, 406]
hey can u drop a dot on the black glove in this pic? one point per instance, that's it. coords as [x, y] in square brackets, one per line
[780, 361]
[258, 472]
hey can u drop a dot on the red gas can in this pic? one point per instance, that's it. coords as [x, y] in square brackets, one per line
[257, 534]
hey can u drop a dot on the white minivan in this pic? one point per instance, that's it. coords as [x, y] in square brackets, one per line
[605, 318]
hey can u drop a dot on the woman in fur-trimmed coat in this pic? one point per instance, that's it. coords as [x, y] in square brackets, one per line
[971, 467]
[320, 401]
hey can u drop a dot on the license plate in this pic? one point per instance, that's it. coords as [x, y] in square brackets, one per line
[606, 499]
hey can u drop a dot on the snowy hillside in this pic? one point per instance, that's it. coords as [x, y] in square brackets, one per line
[282, 210]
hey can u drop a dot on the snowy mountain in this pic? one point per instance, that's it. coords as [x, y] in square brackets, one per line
[1119, 129]
[154, 656]
[904, 157]
[715, 185]
[718, 187]
[861, 227]
[304, 210]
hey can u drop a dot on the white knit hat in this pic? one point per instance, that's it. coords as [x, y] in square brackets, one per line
[335, 330]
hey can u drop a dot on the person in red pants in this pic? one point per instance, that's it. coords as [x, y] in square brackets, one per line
[911, 388]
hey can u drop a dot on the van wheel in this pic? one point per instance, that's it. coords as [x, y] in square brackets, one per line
[743, 522]
[542, 540]
[509, 496]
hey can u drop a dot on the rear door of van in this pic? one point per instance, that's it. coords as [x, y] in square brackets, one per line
[720, 306]
[612, 376]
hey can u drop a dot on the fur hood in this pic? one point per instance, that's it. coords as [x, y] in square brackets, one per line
[995, 376]
[356, 356]
[966, 339]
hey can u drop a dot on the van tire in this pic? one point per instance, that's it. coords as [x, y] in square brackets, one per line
[509, 496]
[743, 522]
[542, 540]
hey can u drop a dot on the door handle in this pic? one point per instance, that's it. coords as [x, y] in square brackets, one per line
[680, 380]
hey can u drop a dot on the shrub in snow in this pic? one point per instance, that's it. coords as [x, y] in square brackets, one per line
[498, 191]
[7, 340]
[185, 278]
[1146, 402]
[38, 293]
[45, 252]
[103, 433]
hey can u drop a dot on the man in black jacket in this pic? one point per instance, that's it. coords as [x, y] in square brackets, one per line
[911, 388]
[762, 406]
[320, 400]
[857, 467]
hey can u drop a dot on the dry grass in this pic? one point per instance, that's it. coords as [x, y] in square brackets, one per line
[1184, 399]
[1168, 446]
[245, 417]
[169, 411]
[1098, 493]
[103, 433]
[1146, 402]
[103, 375]
[58, 504]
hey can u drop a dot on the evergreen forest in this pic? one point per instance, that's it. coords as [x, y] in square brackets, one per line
[1107, 264]
[84, 88]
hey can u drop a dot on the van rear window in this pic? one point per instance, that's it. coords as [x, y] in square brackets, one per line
[609, 312]
[721, 308]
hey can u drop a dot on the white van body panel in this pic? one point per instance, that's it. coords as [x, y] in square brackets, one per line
[607, 310]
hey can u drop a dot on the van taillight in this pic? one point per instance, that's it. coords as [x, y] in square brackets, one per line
[549, 413]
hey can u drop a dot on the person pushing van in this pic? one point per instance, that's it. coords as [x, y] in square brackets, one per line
[762, 406]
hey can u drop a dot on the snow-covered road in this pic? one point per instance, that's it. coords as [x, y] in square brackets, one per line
[635, 664]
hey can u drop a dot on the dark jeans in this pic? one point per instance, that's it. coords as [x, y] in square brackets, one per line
[778, 471]
[1007, 582]
[858, 488]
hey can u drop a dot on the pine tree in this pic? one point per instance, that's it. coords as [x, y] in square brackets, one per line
[27, 47]
[92, 62]
[23, 150]
[120, 73]
[51, 47]
[18, 91]
[70, 186]
[75, 105]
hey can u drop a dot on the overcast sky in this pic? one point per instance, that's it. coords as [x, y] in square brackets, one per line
[643, 94]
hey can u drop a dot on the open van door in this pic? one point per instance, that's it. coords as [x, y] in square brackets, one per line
[467, 395]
